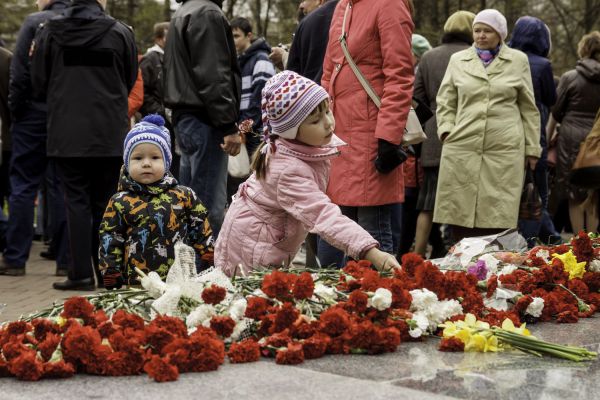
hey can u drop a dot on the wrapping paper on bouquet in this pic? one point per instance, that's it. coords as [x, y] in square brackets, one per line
[467, 250]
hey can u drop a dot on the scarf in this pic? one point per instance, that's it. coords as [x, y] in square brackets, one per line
[487, 56]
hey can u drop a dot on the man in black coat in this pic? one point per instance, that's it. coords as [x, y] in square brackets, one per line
[28, 135]
[203, 88]
[85, 64]
[310, 42]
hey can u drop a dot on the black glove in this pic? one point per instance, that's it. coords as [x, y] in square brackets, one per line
[112, 280]
[389, 156]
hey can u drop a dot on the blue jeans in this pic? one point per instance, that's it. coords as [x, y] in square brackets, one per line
[203, 166]
[27, 168]
[377, 220]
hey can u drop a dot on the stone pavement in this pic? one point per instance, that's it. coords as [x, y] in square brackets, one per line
[32, 292]
[415, 371]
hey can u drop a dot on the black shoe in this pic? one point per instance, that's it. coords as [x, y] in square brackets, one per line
[81, 284]
[10, 270]
[48, 255]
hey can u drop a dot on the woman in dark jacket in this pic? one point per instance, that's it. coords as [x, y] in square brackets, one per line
[575, 110]
[532, 36]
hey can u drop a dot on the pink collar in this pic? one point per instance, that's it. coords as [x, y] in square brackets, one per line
[310, 153]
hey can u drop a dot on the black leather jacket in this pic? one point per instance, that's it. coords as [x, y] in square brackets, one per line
[201, 72]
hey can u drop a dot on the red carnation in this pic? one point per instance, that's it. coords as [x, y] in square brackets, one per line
[334, 321]
[430, 277]
[358, 301]
[567, 317]
[560, 249]
[214, 294]
[357, 269]
[285, 317]
[27, 367]
[315, 346]
[79, 344]
[522, 304]
[223, 326]
[492, 285]
[78, 307]
[58, 370]
[127, 320]
[410, 262]
[161, 370]
[106, 329]
[4, 371]
[173, 325]
[292, 355]
[15, 348]
[17, 328]
[276, 285]
[301, 329]
[280, 339]
[256, 307]
[452, 344]
[42, 327]
[206, 353]
[98, 318]
[582, 247]
[578, 287]
[401, 298]
[49, 345]
[472, 303]
[592, 280]
[304, 286]
[243, 352]
[339, 344]
[158, 337]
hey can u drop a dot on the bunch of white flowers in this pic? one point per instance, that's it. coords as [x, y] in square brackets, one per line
[536, 307]
[429, 312]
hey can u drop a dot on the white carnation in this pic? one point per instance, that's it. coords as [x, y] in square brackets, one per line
[422, 299]
[446, 309]
[543, 254]
[536, 307]
[154, 285]
[201, 314]
[594, 266]
[382, 299]
[422, 324]
[325, 292]
[508, 269]
[238, 309]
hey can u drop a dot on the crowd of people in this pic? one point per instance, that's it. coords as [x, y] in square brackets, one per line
[135, 152]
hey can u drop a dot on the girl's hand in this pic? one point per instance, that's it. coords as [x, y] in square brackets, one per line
[531, 162]
[381, 260]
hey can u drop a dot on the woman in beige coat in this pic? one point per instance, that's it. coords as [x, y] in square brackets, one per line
[489, 125]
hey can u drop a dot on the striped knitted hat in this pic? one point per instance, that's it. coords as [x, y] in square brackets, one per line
[287, 100]
[151, 129]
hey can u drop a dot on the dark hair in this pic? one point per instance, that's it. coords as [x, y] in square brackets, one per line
[259, 160]
[242, 24]
[160, 30]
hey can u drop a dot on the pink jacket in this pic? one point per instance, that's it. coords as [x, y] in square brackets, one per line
[268, 220]
[379, 40]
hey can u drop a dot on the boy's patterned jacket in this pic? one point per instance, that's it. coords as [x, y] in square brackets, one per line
[141, 225]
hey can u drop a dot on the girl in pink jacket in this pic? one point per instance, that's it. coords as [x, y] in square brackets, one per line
[285, 198]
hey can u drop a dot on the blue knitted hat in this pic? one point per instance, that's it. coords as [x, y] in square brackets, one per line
[151, 129]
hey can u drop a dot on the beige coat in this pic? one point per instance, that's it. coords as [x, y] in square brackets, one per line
[493, 124]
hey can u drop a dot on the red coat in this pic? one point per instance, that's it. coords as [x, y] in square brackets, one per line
[379, 39]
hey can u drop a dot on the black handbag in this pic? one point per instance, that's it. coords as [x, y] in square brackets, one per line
[530, 207]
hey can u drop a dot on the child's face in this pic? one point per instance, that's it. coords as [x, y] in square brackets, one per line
[146, 164]
[317, 129]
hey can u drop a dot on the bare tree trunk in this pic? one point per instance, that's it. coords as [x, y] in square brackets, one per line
[167, 10]
[446, 9]
[566, 23]
[435, 16]
[482, 4]
[592, 14]
[257, 11]
[130, 9]
[266, 23]
[229, 9]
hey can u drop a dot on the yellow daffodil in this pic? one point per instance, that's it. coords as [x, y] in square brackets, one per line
[574, 268]
[60, 321]
[472, 322]
[476, 343]
[508, 325]
[491, 344]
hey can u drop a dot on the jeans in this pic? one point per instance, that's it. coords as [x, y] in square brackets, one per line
[377, 220]
[203, 166]
[27, 168]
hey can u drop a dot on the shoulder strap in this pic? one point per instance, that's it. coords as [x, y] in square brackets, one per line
[361, 78]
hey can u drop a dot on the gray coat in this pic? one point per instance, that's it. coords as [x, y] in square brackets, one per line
[575, 109]
[430, 73]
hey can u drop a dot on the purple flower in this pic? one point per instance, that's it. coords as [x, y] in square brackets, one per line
[479, 270]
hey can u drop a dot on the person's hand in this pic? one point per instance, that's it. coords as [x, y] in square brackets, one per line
[276, 57]
[231, 144]
[531, 162]
[381, 260]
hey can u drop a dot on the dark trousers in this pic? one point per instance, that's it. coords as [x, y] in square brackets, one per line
[27, 168]
[88, 184]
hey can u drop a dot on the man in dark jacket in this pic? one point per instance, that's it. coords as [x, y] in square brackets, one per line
[202, 87]
[28, 134]
[5, 58]
[310, 42]
[532, 36]
[85, 64]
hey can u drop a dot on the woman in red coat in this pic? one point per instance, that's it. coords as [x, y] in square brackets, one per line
[378, 33]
